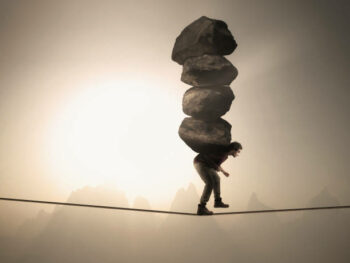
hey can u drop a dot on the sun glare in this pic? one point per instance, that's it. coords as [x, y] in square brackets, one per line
[108, 133]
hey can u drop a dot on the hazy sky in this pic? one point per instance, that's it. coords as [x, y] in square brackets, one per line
[89, 95]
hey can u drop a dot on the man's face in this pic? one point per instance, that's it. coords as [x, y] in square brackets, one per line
[235, 153]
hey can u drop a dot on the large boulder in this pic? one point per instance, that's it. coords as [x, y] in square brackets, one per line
[208, 70]
[203, 36]
[205, 137]
[207, 103]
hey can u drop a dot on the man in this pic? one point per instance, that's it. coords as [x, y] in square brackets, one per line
[207, 166]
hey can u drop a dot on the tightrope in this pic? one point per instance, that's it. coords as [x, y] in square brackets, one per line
[174, 212]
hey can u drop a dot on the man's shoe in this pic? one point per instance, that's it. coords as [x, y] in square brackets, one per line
[219, 203]
[202, 210]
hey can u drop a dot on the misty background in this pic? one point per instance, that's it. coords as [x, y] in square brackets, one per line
[90, 105]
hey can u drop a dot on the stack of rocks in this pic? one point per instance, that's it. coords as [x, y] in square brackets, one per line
[200, 48]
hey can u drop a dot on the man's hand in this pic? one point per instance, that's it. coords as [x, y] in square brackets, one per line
[223, 171]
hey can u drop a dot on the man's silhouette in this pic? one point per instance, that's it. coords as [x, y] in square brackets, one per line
[207, 166]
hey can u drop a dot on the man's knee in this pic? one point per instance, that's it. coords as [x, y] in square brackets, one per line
[216, 178]
[209, 184]
[216, 183]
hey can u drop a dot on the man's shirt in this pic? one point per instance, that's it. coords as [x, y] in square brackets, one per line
[212, 160]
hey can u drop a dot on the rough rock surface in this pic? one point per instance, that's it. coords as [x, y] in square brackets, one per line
[207, 103]
[208, 69]
[203, 136]
[203, 36]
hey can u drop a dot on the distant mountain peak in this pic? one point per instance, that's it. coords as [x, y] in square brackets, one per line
[98, 195]
[185, 199]
[253, 197]
[324, 198]
[191, 188]
[255, 203]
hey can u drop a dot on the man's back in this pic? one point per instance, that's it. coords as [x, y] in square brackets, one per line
[212, 160]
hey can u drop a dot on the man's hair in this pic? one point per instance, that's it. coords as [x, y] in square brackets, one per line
[235, 146]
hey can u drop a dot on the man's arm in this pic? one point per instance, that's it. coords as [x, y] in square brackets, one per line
[218, 167]
[207, 158]
[223, 171]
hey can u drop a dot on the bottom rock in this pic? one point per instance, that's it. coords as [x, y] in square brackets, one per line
[205, 136]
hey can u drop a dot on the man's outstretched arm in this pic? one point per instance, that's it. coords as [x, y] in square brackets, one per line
[223, 171]
[219, 168]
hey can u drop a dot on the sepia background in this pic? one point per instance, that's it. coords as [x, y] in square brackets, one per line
[90, 106]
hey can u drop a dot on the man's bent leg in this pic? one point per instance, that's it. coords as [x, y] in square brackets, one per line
[217, 193]
[206, 193]
[204, 173]
[215, 178]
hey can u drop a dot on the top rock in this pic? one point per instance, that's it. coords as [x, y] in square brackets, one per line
[203, 36]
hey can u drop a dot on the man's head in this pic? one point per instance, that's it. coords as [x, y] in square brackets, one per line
[235, 148]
